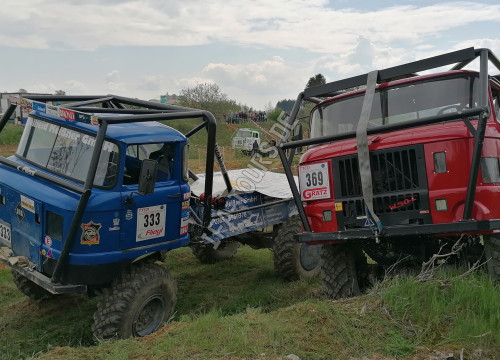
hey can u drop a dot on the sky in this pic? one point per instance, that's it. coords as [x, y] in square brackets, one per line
[257, 51]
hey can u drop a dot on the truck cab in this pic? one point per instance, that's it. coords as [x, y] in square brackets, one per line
[403, 166]
[119, 225]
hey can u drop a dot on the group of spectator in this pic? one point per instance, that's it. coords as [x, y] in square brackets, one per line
[242, 117]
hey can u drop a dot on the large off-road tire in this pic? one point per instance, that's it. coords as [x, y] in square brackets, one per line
[492, 253]
[343, 270]
[136, 304]
[293, 260]
[29, 288]
[208, 255]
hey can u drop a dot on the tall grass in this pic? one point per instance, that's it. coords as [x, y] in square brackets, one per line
[240, 309]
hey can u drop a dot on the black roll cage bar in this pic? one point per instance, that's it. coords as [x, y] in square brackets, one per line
[460, 58]
[143, 111]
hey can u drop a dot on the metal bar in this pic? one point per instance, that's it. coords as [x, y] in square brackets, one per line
[154, 117]
[387, 128]
[195, 130]
[6, 116]
[222, 167]
[479, 136]
[61, 264]
[293, 187]
[88, 102]
[43, 281]
[399, 231]
[209, 166]
[392, 72]
[97, 110]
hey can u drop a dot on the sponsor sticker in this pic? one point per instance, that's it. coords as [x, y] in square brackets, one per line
[27, 203]
[314, 181]
[48, 241]
[338, 206]
[90, 234]
[151, 222]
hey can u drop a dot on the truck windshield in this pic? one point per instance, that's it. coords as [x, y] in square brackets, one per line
[407, 102]
[67, 152]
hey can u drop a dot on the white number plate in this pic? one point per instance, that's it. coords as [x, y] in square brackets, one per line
[314, 182]
[5, 233]
[151, 222]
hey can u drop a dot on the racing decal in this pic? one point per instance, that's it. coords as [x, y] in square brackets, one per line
[48, 241]
[19, 212]
[67, 114]
[185, 205]
[151, 222]
[400, 204]
[39, 106]
[116, 225]
[338, 206]
[314, 181]
[90, 234]
[129, 215]
[184, 226]
[52, 110]
[27, 203]
[187, 195]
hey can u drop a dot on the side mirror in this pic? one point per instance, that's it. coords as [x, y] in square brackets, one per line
[147, 177]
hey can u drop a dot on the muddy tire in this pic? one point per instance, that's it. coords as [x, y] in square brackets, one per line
[343, 270]
[29, 288]
[492, 253]
[206, 253]
[136, 304]
[293, 260]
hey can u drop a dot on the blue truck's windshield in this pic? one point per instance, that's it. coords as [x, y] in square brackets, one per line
[407, 102]
[67, 152]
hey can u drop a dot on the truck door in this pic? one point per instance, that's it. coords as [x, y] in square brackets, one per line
[154, 218]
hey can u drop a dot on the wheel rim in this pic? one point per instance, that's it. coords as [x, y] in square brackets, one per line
[310, 256]
[150, 316]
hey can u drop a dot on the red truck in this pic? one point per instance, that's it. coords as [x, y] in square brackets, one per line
[401, 165]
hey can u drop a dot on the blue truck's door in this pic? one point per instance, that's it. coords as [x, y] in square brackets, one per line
[152, 219]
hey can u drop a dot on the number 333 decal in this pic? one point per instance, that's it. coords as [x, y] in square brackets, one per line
[151, 222]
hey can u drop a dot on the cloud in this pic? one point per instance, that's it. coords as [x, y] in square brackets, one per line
[311, 25]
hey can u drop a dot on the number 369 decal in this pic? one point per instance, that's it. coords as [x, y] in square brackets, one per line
[314, 181]
[151, 222]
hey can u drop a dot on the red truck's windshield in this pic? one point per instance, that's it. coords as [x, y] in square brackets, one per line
[410, 101]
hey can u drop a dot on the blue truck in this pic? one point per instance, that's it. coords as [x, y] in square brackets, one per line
[99, 190]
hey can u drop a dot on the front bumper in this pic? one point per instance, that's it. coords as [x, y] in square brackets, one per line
[447, 229]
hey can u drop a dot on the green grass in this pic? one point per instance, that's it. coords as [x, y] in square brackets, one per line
[240, 309]
[11, 134]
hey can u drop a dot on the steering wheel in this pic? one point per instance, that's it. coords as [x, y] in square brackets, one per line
[449, 107]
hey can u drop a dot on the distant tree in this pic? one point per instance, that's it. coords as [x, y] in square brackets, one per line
[285, 105]
[22, 91]
[273, 114]
[316, 80]
[60, 92]
[208, 96]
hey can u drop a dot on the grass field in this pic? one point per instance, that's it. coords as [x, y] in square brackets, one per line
[240, 309]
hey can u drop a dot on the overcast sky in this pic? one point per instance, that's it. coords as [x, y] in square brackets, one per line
[257, 51]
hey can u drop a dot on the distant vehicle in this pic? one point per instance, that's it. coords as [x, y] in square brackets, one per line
[244, 138]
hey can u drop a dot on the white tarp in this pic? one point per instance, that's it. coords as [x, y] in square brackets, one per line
[246, 181]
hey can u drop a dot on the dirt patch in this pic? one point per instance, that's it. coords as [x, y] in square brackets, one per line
[7, 150]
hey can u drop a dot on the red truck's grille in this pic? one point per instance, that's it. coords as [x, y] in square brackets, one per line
[399, 187]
